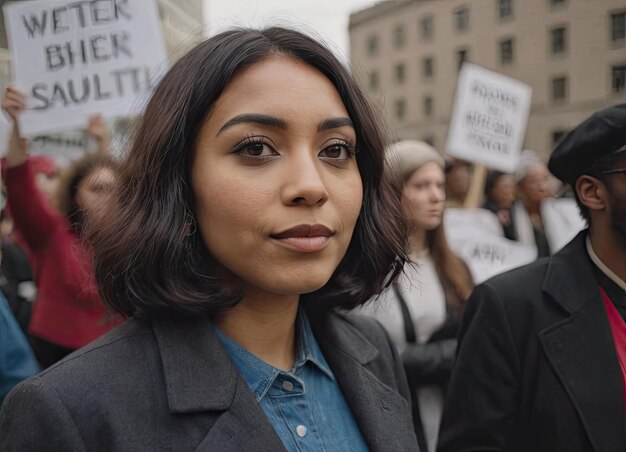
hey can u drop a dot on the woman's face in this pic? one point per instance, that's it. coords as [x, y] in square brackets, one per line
[503, 191]
[94, 188]
[537, 185]
[277, 188]
[423, 196]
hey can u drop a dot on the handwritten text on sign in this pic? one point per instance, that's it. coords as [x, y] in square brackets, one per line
[75, 58]
[489, 119]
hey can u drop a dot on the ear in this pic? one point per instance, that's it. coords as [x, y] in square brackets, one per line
[591, 192]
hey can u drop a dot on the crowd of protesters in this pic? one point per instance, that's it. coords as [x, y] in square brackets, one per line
[262, 252]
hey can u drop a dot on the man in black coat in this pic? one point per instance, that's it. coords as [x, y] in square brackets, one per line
[541, 364]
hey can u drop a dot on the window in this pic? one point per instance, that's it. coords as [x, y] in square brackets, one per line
[461, 19]
[400, 109]
[398, 37]
[372, 45]
[428, 67]
[427, 27]
[619, 79]
[373, 81]
[559, 89]
[618, 26]
[505, 8]
[428, 106]
[557, 135]
[461, 57]
[400, 73]
[506, 51]
[557, 40]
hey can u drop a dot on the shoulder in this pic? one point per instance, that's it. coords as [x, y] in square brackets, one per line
[128, 346]
[369, 328]
[48, 411]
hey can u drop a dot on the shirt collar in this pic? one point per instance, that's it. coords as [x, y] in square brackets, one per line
[259, 375]
[602, 266]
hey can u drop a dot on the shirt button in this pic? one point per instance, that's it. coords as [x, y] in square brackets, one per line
[287, 386]
[301, 431]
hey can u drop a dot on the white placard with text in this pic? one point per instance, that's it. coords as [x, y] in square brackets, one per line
[76, 58]
[489, 119]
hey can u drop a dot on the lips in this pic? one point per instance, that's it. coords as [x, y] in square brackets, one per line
[304, 230]
[304, 238]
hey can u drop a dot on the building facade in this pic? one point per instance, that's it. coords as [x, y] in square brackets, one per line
[407, 54]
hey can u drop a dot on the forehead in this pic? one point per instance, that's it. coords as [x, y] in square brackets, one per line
[427, 171]
[279, 85]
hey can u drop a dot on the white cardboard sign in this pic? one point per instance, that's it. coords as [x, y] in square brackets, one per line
[474, 238]
[489, 120]
[76, 58]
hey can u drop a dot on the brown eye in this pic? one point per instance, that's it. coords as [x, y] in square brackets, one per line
[334, 151]
[337, 151]
[255, 149]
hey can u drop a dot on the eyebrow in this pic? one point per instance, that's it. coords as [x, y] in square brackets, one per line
[265, 120]
[334, 123]
[272, 121]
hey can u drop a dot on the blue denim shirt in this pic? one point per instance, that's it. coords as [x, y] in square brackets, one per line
[17, 361]
[305, 405]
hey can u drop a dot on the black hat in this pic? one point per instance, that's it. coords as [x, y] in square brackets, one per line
[601, 134]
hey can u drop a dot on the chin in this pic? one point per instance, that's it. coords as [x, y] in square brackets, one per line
[298, 282]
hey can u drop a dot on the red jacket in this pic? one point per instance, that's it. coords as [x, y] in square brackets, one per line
[68, 310]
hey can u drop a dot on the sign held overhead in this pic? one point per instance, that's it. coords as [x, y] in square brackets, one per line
[489, 119]
[74, 58]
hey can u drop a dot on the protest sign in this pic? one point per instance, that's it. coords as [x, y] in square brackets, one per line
[561, 221]
[77, 58]
[489, 119]
[475, 235]
[66, 145]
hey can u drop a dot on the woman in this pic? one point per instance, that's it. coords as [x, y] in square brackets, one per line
[68, 312]
[535, 185]
[421, 309]
[250, 208]
[499, 198]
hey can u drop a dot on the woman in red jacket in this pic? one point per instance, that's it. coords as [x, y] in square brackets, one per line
[68, 312]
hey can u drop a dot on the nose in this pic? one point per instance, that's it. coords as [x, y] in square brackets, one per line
[437, 194]
[304, 184]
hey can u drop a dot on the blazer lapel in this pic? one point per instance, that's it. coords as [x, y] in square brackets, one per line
[375, 406]
[581, 350]
[200, 377]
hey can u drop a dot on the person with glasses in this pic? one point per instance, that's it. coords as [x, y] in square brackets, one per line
[542, 349]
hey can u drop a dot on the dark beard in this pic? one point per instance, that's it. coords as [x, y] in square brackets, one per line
[618, 220]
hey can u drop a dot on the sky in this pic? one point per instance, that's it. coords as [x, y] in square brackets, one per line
[326, 18]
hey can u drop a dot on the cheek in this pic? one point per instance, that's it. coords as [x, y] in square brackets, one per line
[227, 207]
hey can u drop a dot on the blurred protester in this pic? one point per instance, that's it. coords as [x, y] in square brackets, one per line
[458, 179]
[542, 349]
[17, 361]
[68, 312]
[16, 277]
[499, 198]
[422, 308]
[240, 230]
[534, 185]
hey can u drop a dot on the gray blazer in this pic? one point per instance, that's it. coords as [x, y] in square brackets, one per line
[168, 384]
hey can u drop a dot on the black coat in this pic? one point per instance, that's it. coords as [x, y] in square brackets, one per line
[537, 369]
[168, 384]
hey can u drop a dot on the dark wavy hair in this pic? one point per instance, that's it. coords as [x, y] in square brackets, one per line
[149, 260]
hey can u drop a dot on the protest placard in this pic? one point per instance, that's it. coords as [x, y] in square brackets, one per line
[76, 58]
[489, 119]
[561, 221]
[475, 235]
